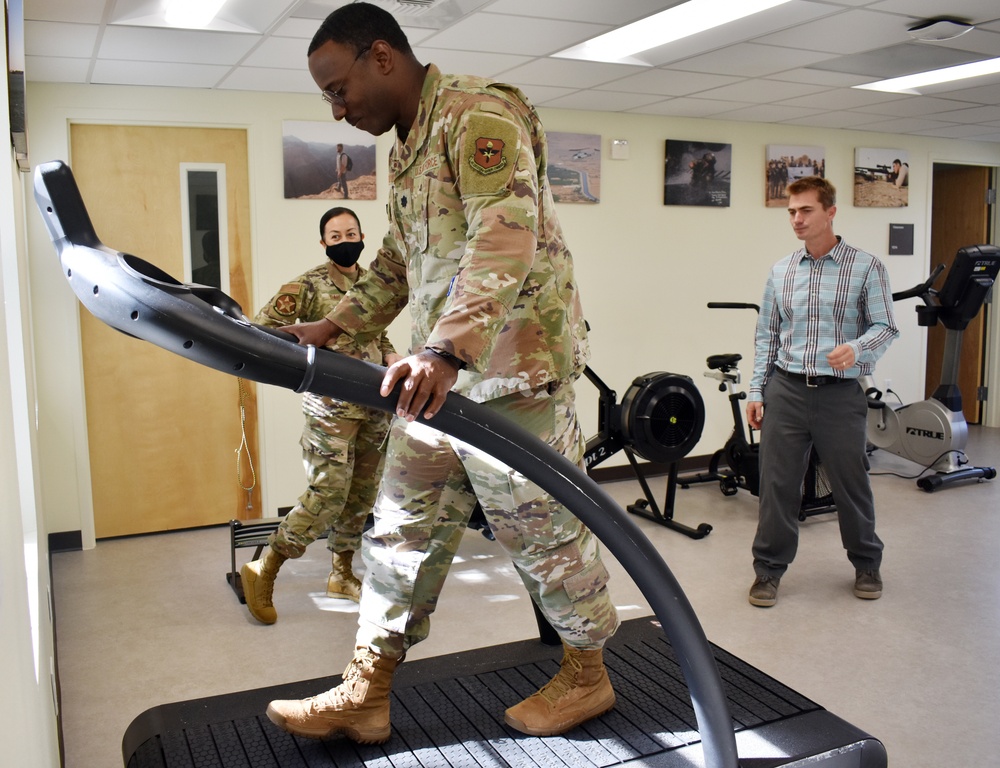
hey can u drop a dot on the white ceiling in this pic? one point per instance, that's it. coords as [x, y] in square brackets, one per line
[792, 65]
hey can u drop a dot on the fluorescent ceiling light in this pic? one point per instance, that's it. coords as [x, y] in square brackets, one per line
[675, 23]
[191, 14]
[909, 83]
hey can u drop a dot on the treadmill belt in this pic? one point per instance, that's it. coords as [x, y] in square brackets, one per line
[447, 712]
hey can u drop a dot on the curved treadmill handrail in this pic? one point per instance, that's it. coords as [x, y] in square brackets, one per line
[208, 327]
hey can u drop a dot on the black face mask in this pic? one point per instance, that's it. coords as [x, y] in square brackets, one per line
[345, 254]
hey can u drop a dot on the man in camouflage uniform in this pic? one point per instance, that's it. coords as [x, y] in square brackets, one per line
[476, 251]
[341, 442]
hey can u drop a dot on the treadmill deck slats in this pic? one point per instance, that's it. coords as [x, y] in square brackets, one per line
[447, 712]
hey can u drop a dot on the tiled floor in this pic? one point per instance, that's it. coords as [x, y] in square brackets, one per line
[150, 620]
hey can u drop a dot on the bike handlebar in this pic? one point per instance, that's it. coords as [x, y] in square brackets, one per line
[920, 290]
[732, 305]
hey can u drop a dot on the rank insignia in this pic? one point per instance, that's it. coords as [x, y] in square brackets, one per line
[487, 157]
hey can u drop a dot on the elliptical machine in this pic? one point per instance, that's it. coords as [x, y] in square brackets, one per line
[933, 432]
[740, 454]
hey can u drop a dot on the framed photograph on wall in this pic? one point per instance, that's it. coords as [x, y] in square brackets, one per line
[881, 178]
[697, 173]
[311, 151]
[574, 168]
[784, 164]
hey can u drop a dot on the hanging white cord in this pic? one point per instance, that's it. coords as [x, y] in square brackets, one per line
[244, 446]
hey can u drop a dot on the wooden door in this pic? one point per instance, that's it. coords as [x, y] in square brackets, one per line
[960, 217]
[163, 431]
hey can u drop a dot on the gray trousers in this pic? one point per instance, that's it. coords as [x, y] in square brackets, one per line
[797, 417]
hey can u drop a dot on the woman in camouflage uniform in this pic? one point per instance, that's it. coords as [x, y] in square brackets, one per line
[341, 442]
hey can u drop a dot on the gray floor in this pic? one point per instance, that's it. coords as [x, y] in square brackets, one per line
[151, 620]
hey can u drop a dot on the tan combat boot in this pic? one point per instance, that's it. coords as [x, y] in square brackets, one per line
[342, 581]
[258, 585]
[358, 707]
[580, 691]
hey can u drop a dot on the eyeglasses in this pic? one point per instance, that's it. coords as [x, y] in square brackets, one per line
[334, 98]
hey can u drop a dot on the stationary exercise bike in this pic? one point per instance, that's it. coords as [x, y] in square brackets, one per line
[660, 419]
[933, 432]
[740, 454]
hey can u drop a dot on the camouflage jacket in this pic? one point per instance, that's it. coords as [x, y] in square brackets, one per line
[474, 245]
[311, 296]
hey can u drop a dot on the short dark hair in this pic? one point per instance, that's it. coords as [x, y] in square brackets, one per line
[339, 210]
[826, 191]
[359, 25]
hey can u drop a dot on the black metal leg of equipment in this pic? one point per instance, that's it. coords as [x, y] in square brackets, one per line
[647, 507]
[943, 479]
[546, 634]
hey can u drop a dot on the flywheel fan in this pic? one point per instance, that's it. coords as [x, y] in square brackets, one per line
[660, 419]
[662, 416]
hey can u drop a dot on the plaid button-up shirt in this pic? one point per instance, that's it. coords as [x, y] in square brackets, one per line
[812, 305]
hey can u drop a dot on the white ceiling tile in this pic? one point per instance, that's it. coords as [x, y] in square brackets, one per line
[758, 90]
[749, 60]
[158, 73]
[970, 115]
[953, 132]
[50, 69]
[509, 34]
[81, 11]
[848, 32]
[607, 101]
[820, 77]
[912, 125]
[668, 82]
[686, 107]
[845, 98]
[767, 113]
[971, 89]
[539, 94]
[914, 106]
[275, 80]
[45, 38]
[295, 27]
[416, 35]
[842, 119]
[570, 73]
[280, 53]
[175, 45]
[977, 41]
[932, 9]
[469, 62]
[596, 11]
[254, 16]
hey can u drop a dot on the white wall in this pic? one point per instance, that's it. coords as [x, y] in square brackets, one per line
[646, 270]
[27, 711]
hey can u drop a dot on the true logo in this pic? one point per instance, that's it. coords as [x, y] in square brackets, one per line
[917, 432]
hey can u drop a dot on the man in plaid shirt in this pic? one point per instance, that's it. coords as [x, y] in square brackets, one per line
[825, 319]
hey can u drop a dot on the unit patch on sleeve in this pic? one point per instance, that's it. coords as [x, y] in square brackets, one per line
[489, 146]
[286, 303]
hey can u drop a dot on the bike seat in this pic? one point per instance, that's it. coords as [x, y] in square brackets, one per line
[723, 362]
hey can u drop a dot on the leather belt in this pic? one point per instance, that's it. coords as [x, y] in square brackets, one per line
[812, 381]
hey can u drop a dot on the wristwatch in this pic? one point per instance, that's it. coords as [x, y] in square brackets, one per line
[459, 364]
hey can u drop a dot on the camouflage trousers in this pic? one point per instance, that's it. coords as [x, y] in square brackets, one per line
[429, 488]
[343, 463]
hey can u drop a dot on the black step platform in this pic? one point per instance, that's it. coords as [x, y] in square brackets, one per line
[447, 712]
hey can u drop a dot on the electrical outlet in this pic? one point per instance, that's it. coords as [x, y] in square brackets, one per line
[888, 384]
